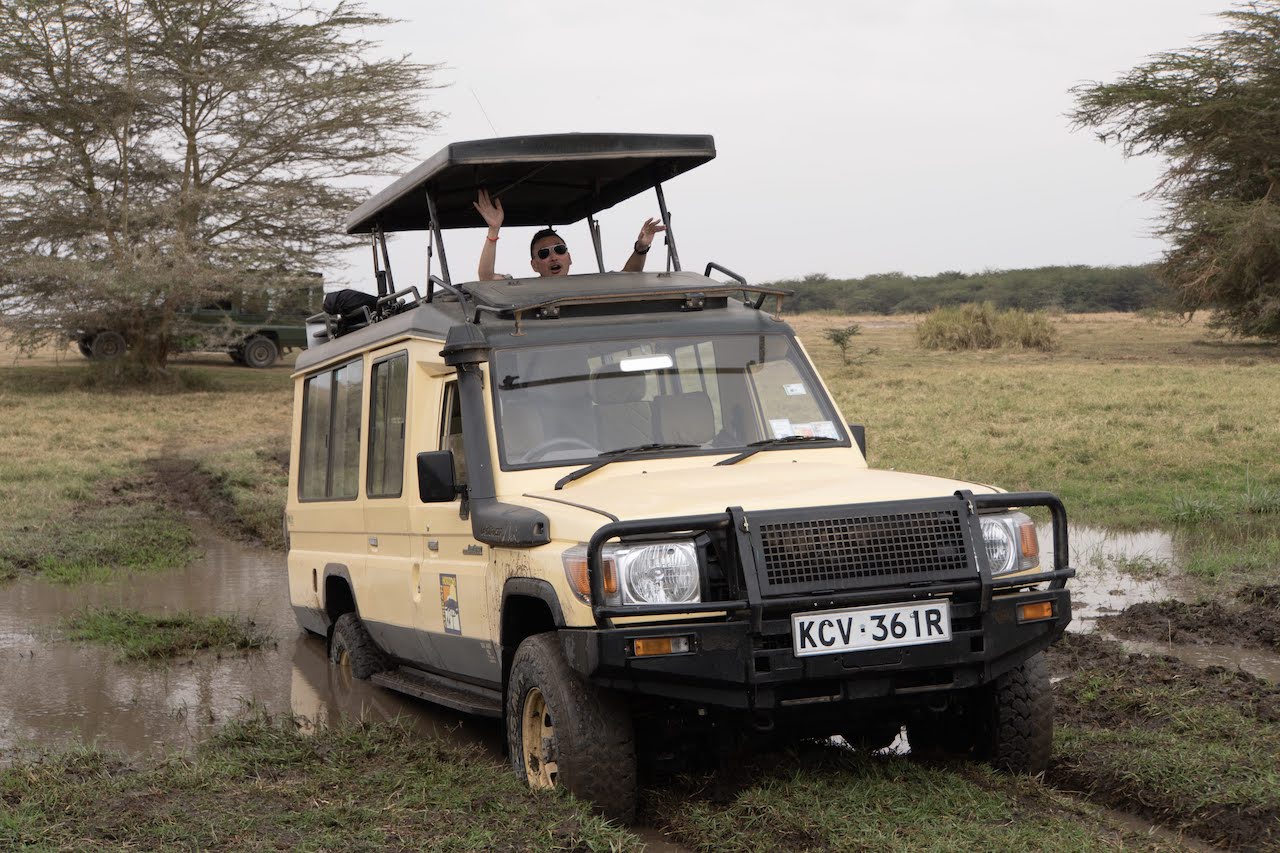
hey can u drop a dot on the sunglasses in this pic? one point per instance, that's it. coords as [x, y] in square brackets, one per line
[545, 251]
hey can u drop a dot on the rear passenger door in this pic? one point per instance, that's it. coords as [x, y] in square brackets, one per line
[394, 554]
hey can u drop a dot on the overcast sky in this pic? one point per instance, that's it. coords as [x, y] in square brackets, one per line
[852, 137]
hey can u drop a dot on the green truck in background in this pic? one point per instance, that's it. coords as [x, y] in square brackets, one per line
[254, 328]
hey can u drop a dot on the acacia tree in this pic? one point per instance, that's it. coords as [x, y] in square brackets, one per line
[1213, 110]
[155, 154]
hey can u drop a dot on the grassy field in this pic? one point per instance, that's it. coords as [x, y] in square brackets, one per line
[95, 478]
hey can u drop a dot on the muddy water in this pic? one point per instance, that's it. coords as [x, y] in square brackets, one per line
[1103, 587]
[53, 691]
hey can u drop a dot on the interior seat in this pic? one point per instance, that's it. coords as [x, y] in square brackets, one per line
[684, 418]
[623, 418]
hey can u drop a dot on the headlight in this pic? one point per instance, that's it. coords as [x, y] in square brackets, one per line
[1011, 542]
[639, 573]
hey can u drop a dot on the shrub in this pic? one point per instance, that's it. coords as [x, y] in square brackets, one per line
[842, 338]
[982, 326]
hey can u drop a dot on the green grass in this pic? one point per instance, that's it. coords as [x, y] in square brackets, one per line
[834, 799]
[262, 785]
[95, 541]
[138, 636]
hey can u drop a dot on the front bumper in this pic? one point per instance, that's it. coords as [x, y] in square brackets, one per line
[730, 666]
[745, 660]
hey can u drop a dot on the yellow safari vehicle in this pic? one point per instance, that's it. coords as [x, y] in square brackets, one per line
[621, 512]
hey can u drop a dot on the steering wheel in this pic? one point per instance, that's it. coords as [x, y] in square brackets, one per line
[563, 442]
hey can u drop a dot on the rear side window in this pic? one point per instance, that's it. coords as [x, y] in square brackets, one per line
[331, 434]
[388, 389]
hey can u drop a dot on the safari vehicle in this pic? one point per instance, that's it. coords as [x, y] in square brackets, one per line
[622, 512]
[255, 329]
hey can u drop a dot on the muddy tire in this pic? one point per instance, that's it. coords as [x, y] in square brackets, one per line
[1008, 724]
[565, 732]
[85, 349]
[106, 346]
[351, 646]
[259, 352]
[1020, 715]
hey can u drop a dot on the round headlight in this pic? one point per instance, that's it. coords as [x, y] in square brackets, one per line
[662, 573]
[1002, 551]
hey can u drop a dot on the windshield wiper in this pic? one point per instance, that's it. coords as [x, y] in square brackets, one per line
[772, 443]
[613, 456]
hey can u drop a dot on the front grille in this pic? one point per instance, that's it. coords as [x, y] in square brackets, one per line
[853, 550]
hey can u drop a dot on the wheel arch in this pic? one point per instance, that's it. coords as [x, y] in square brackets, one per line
[339, 594]
[529, 606]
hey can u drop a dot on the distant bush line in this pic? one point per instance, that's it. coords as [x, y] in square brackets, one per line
[1075, 289]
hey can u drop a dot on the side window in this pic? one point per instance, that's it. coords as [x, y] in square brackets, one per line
[388, 389]
[451, 433]
[331, 434]
[317, 408]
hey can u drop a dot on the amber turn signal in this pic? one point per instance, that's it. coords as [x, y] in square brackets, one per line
[577, 570]
[645, 646]
[1033, 612]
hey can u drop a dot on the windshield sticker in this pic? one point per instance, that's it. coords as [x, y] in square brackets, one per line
[449, 604]
[781, 427]
[824, 429]
[795, 389]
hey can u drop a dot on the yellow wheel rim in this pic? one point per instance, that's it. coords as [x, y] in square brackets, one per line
[538, 741]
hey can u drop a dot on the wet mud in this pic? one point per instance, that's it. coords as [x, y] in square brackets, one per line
[1079, 659]
[1250, 626]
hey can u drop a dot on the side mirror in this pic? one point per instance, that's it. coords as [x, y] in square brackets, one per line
[859, 437]
[436, 483]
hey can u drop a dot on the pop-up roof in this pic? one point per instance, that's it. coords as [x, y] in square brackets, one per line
[554, 179]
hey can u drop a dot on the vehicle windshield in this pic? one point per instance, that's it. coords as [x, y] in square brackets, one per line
[570, 403]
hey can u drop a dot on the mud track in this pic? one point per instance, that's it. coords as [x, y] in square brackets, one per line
[1084, 660]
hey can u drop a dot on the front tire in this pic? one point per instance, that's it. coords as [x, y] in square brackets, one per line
[351, 647]
[564, 732]
[1021, 715]
[1008, 723]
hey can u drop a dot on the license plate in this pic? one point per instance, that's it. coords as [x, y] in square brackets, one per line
[880, 626]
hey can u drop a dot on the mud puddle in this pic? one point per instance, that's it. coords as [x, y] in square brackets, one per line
[54, 692]
[1127, 588]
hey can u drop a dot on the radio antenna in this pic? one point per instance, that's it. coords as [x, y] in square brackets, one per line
[482, 110]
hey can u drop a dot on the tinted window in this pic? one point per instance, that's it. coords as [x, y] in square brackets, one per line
[388, 390]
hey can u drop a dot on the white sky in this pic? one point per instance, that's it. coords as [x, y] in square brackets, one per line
[853, 137]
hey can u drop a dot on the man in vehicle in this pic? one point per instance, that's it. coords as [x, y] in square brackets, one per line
[548, 254]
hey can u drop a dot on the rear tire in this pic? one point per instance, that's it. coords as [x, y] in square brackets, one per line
[106, 346]
[564, 732]
[259, 352]
[350, 646]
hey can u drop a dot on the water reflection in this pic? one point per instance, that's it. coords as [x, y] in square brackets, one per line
[1115, 570]
[55, 692]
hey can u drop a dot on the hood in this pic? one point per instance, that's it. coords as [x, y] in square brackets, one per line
[623, 491]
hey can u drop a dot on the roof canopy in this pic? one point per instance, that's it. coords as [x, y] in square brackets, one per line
[554, 179]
